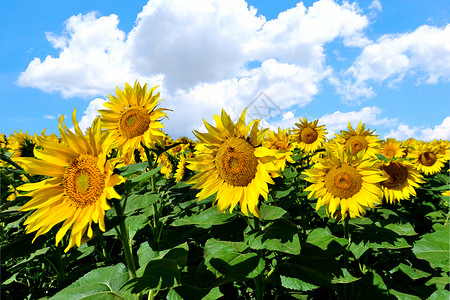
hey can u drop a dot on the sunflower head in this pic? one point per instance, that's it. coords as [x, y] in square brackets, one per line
[280, 141]
[233, 164]
[351, 182]
[402, 179]
[133, 118]
[21, 144]
[308, 136]
[391, 148]
[80, 180]
[427, 158]
[359, 139]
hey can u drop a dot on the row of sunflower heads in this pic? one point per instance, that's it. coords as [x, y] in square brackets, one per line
[358, 171]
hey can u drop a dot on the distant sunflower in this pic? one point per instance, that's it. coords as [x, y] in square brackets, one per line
[81, 180]
[181, 168]
[359, 139]
[443, 148]
[3, 141]
[427, 158]
[233, 164]
[280, 141]
[402, 180]
[133, 117]
[391, 148]
[308, 136]
[20, 144]
[346, 180]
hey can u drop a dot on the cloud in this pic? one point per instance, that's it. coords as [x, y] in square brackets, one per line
[91, 59]
[376, 5]
[91, 113]
[403, 132]
[425, 52]
[49, 117]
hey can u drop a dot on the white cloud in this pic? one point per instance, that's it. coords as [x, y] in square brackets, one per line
[91, 113]
[376, 4]
[368, 115]
[91, 59]
[403, 132]
[49, 117]
[424, 52]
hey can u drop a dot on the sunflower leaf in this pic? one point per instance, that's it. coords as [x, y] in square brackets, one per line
[434, 248]
[102, 282]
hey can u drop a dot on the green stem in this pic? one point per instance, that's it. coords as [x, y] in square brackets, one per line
[126, 243]
[346, 236]
[59, 262]
[8, 160]
[259, 287]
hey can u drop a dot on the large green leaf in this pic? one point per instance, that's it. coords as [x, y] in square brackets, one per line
[434, 248]
[439, 295]
[270, 212]
[129, 170]
[231, 261]
[281, 236]
[146, 175]
[208, 217]
[101, 283]
[322, 237]
[134, 224]
[137, 202]
[158, 274]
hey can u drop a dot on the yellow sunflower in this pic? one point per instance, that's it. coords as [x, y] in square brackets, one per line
[346, 180]
[20, 144]
[233, 164]
[403, 179]
[181, 168]
[3, 141]
[133, 117]
[79, 184]
[391, 148]
[280, 141]
[427, 158]
[443, 147]
[308, 136]
[359, 139]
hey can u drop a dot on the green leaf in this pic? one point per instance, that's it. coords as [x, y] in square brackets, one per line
[158, 274]
[146, 175]
[358, 249]
[434, 248]
[440, 281]
[296, 284]
[137, 202]
[270, 212]
[146, 254]
[439, 295]
[208, 217]
[129, 170]
[230, 261]
[412, 272]
[346, 277]
[102, 282]
[405, 229]
[281, 236]
[322, 237]
[134, 224]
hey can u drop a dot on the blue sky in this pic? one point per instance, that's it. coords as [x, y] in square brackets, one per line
[384, 63]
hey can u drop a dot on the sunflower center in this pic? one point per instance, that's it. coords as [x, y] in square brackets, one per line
[427, 158]
[357, 143]
[397, 174]
[133, 122]
[343, 181]
[83, 182]
[308, 135]
[389, 152]
[236, 162]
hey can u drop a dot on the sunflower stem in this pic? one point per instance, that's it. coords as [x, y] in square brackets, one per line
[126, 243]
[8, 160]
[346, 236]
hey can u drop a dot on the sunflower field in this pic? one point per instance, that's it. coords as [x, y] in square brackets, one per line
[123, 211]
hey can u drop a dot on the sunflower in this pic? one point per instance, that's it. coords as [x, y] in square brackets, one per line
[20, 144]
[403, 179]
[443, 147]
[133, 117]
[181, 168]
[233, 164]
[3, 141]
[359, 139]
[427, 158]
[280, 141]
[308, 136]
[391, 148]
[346, 180]
[79, 184]
[167, 165]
